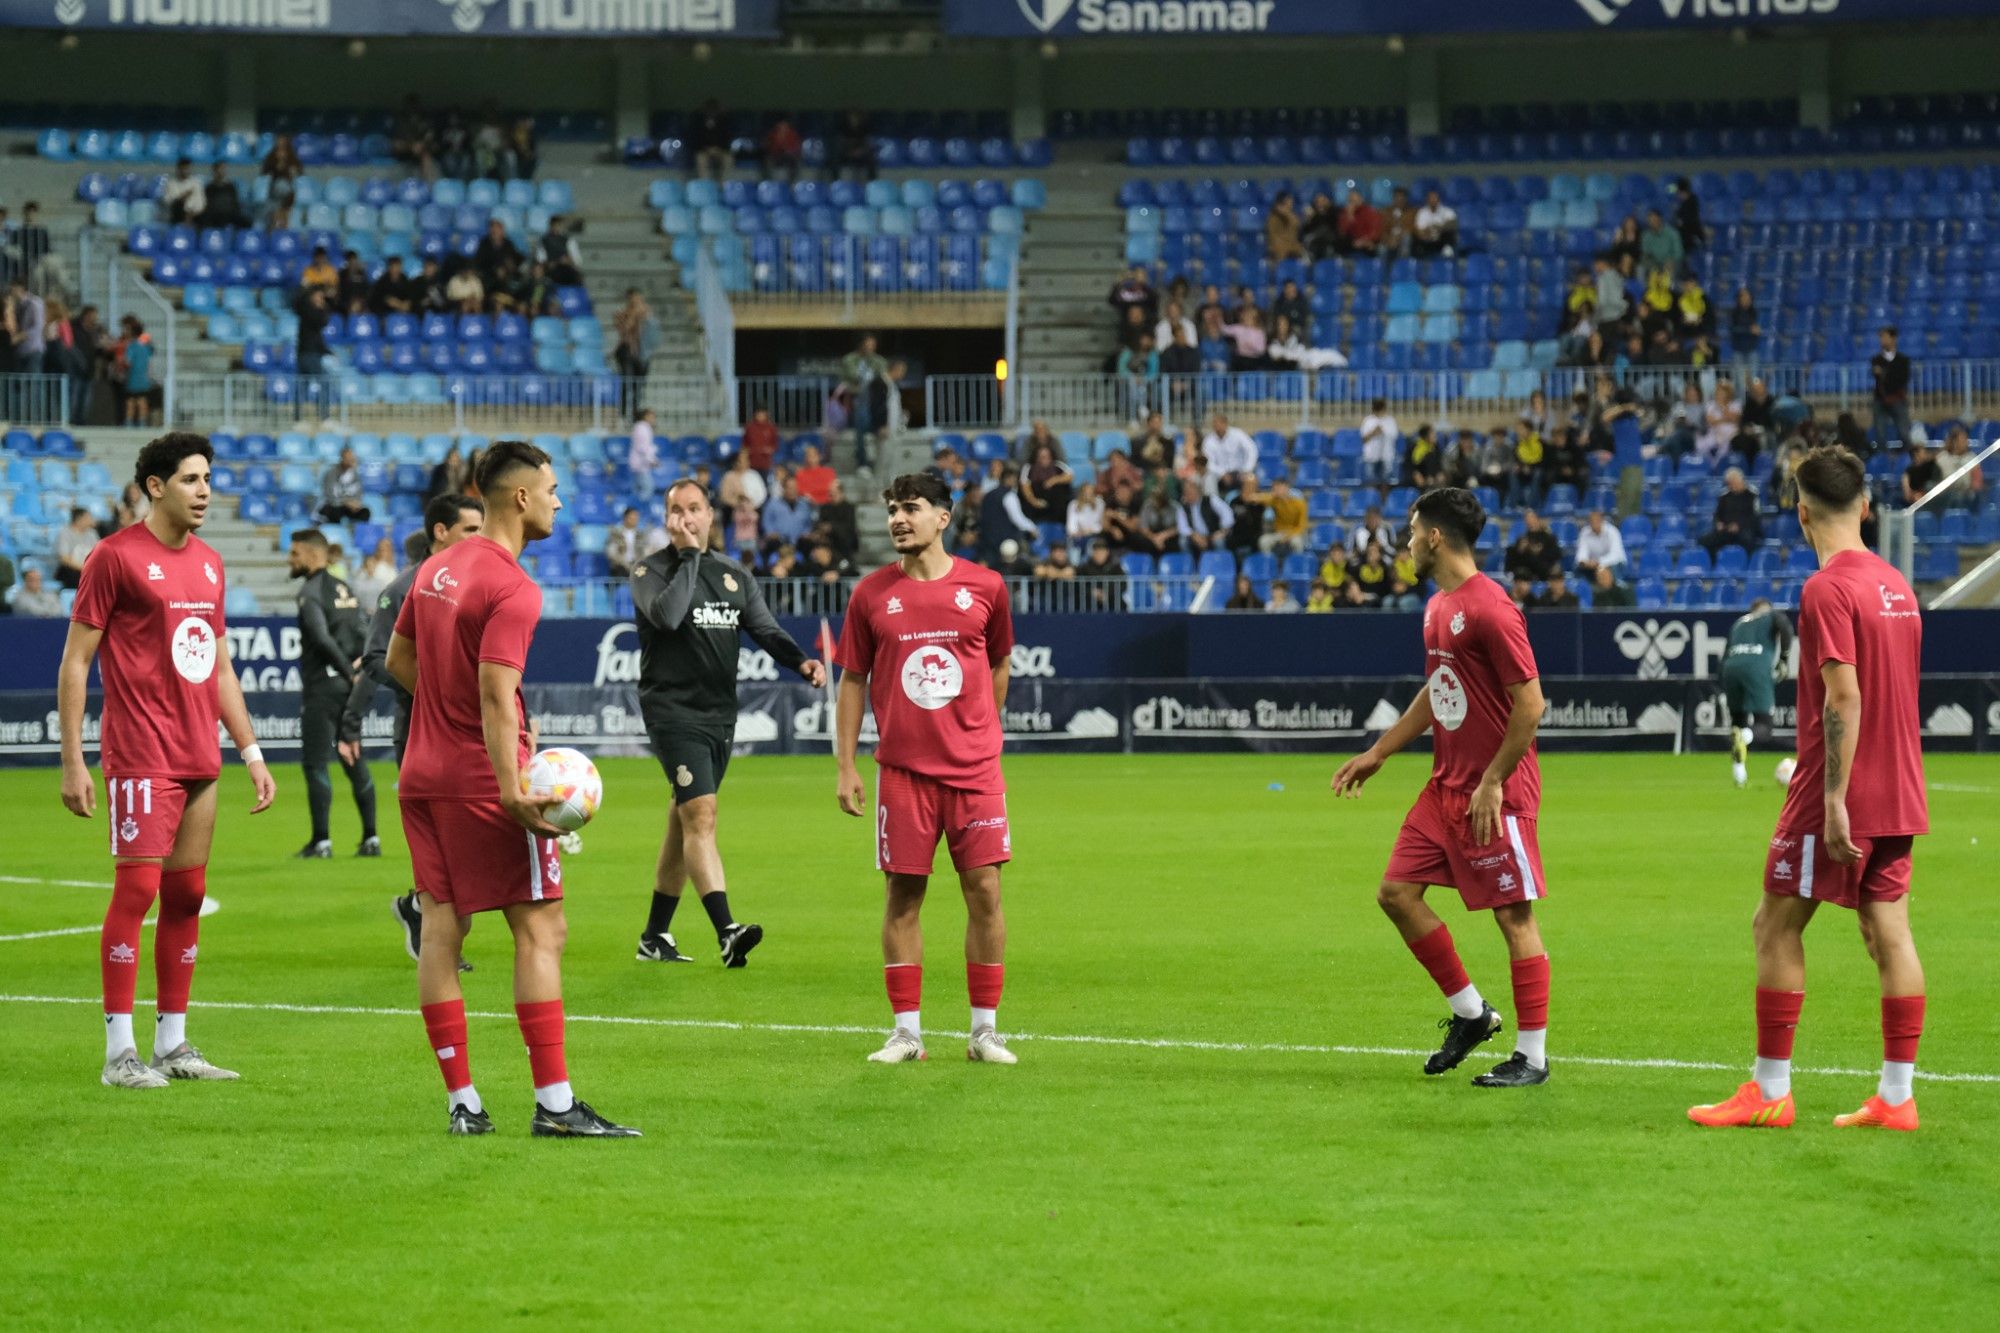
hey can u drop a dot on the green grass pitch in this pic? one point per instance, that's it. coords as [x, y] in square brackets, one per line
[1191, 1138]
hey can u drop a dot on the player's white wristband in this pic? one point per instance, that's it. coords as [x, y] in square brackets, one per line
[253, 754]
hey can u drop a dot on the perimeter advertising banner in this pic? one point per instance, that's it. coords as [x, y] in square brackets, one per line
[1338, 18]
[693, 19]
[1330, 717]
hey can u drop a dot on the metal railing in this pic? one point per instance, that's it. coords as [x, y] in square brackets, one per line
[489, 404]
[852, 270]
[36, 399]
[126, 293]
[1898, 527]
[1329, 398]
[718, 320]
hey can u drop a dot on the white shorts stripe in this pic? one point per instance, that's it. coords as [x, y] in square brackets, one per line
[534, 867]
[1806, 866]
[881, 825]
[111, 810]
[1521, 861]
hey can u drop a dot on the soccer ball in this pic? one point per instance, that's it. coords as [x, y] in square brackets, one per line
[1784, 773]
[570, 777]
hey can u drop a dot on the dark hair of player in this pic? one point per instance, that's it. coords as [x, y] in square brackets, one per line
[1832, 478]
[503, 459]
[163, 457]
[310, 537]
[1454, 511]
[918, 486]
[416, 546]
[444, 510]
[668, 497]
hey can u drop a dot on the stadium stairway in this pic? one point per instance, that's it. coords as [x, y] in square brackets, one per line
[1071, 253]
[622, 249]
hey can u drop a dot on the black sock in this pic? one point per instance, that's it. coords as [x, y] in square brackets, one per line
[660, 918]
[717, 904]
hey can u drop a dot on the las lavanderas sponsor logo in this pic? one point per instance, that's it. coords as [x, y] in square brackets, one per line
[1606, 12]
[931, 677]
[1093, 16]
[1448, 701]
[1164, 715]
[618, 656]
[194, 649]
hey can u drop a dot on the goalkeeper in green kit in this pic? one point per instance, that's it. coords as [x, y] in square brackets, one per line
[1759, 643]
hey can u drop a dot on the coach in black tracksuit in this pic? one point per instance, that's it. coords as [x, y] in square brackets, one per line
[448, 520]
[330, 639]
[692, 607]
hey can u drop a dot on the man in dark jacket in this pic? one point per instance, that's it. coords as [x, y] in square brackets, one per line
[330, 642]
[1737, 522]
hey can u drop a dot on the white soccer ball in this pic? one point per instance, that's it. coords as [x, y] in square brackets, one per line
[1784, 771]
[571, 780]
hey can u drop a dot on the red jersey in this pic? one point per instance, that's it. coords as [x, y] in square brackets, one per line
[161, 613]
[1475, 646]
[928, 649]
[1858, 610]
[471, 604]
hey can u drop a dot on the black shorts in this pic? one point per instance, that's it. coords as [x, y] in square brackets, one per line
[319, 723]
[695, 758]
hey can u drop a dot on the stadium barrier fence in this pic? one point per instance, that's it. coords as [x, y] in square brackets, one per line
[487, 404]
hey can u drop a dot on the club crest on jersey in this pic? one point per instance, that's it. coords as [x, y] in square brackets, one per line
[128, 831]
[553, 874]
[729, 582]
[209, 570]
[963, 599]
[153, 572]
[1458, 622]
[895, 607]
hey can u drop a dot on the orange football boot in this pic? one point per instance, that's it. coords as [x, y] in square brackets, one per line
[1878, 1114]
[1749, 1108]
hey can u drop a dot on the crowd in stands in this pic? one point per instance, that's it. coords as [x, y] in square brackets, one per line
[460, 146]
[714, 146]
[38, 584]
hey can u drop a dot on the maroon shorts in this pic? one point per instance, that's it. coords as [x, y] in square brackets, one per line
[912, 812]
[1436, 847]
[1798, 867]
[471, 855]
[145, 814]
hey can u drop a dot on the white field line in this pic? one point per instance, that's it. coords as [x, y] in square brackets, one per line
[64, 883]
[51, 934]
[1068, 1039]
[209, 907]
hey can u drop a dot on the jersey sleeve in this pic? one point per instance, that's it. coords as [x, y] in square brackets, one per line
[406, 616]
[999, 625]
[1825, 607]
[96, 589]
[1507, 646]
[856, 652]
[510, 627]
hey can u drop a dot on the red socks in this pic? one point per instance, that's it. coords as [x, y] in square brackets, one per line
[905, 983]
[1531, 993]
[134, 886]
[174, 947]
[542, 1029]
[1778, 1021]
[446, 1025]
[983, 982]
[1440, 958]
[1902, 1024]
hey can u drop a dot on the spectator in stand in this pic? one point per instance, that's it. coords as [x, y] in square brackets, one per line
[184, 197]
[280, 171]
[1723, 418]
[1252, 342]
[7, 584]
[1848, 434]
[708, 141]
[1245, 597]
[1403, 577]
[1436, 228]
[1138, 371]
[62, 356]
[340, 491]
[643, 455]
[377, 572]
[1215, 348]
[1047, 486]
[355, 285]
[466, 291]
[1371, 575]
[1556, 596]
[1135, 327]
[311, 349]
[1001, 517]
[1286, 347]
[1692, 316]
[222, 203]
[1534, 556]
[1171, 325]
[1360, 227]
[1661, 249]
[412, 138]
[1568, 464]
[27, 326]
[1600, 553]
[1923, 475]
[33, 598]
[1288, 526]
[1686, 424]
[490, 159]
[1320, 598]
[1399, 224]
[782, 147]
[1291, 304]
[494, 248]
[1135, 289]
[840, 523]
[1201, 522]
[760, 441]
[864, 374]
[854, 147]
[1320, 230]
[1231, 454]
[1281, 230]
[1085, 519]
[319, 274]
[1155, 528]
[788, 516]
[557, 253]
[821, 564]
[815, 478]
[1423, 461]
[1891, 371]
[1371, 528]
[1153, 445]
[632, 355]
[1784, 482]
[390, 293]
[1746, 335]
[1687, 216]
[1461, 460]
[1496, 462]
[1969, 491]
[1736, 521]
[1182, 357]
[1608, 293]
[743, 487]
[1056, 566]
[1380, 440]
[426, 290]
[74, 543]
[525, 148]
[1530, 481]
[1211, 302]
[1656, 312]
[1103, 577]
[448, 476]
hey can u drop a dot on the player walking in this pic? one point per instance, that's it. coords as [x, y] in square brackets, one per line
[692, 606]
[1473, 828]
[1759, 642]
[149, 609]
[1854, 807]
[330, 641]
[925, 642]
[448, 520]
[479, 841]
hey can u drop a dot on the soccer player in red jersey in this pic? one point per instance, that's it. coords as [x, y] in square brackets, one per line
[479, 837]
[1853, 809]
[149, 610]
[925, 643]
[1473, 828]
